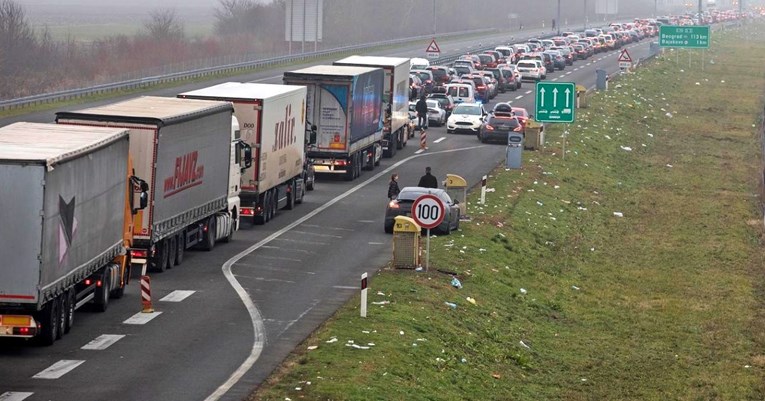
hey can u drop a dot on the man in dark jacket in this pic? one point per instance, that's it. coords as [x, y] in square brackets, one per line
[428, 180]
[393, 189]
[422, 112]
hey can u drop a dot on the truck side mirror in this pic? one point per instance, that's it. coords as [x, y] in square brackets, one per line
[140, 186]
[312, 136]
[247, 150]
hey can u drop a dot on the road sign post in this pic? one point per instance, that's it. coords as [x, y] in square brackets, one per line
[433, 51]
[625, 60]
[428, 211]
[692, 37]
[555, 102]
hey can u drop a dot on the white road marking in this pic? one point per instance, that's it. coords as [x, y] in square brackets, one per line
[568, 73]
[519, 97]
[301, 241]
[419, 151]
[528, 92]
[329, 228]
[366, 221]
[268, 79]
[279, 258]
[141, 318]
[345, 287]
[177, 296]
[555, 79]
[376, 243]
[103, 342]
[317, 234]
[259, 329]
[14, 396]
[58, 369]
[439, 139]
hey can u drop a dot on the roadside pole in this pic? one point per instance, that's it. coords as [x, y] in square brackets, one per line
[364, 295]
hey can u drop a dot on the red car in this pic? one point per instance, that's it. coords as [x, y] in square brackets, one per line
[522, 115]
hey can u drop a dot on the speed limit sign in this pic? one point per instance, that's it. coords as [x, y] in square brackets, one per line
[428, 211]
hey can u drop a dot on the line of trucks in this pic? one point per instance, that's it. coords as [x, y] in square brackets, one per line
[116, 190]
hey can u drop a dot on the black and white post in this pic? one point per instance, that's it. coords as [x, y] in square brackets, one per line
[364, 295]
[483, 190]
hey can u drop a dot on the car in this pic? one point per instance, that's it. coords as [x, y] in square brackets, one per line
[418, 63]
[530, 69]
[462, 69]
[487, 60]
[522, 115]
[461, 93]
[482, 89]
[436, 114]
[402, 206]
[502, 84]
[581, 52]
[445, 100]
[465, 63]
[441, 74]
[426, 76]
[559, 62]
[512, 69]
[467, 118]
[474, 58]
[568, 54]
[415, 87]
[497, 126]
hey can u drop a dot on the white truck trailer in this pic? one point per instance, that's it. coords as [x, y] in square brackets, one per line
[395, 98]
[67, 199]
[189, 153]
[272, 121]
[344, 104]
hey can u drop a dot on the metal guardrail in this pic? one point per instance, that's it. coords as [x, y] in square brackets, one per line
[202, 72]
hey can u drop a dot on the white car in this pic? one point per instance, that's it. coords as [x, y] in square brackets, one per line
[530, 69]
[466, 117]
[436, 114]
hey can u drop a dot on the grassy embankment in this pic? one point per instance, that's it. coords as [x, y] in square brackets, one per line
[573, 302]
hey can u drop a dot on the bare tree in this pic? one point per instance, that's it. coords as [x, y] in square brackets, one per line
[164, 24]
[17, 46]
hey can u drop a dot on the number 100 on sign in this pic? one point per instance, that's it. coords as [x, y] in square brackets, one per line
[428, 211]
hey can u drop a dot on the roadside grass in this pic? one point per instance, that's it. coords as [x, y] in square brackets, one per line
[571, 301]
[57, 105]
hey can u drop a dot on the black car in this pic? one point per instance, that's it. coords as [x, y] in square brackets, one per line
[402, 206]
[497, 126]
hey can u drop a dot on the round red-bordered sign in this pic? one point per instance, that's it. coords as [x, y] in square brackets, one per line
[428, 211]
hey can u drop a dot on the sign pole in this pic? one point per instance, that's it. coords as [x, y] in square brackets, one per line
[364, 295]
[427, 251]
[565, 134]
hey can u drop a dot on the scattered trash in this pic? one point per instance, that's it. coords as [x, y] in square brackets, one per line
[298, 388]
[669, 115]
[575, 287]
[747, 366]
[697, 83]
[669, 165]
[584, 380]
[463, 360]
[357, 346]
[381, 303]
[419, 269]
[523, 344]
[333, 340]
[496, 376]
[456, 283]
[523, 291]
[626, 148]
[365, 331]
[618, 214]
[490, 189]
[451, 305]
[312, 347]
[401, 332]
[380, 293]
[471, 300]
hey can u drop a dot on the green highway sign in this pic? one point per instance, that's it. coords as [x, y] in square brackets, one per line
[555, 102]
[693, 37]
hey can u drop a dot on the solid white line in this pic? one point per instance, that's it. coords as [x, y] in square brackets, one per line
[376, 243]
[419, 151]
[329, 228]
[177, 296]
[141, 318]
[519, 97]
[345, 287]
[103, 342]
[14, 396]
[318, 234]
[267, 79]
[301, 242]
[439, 139]
[259, 329]
[58, 369]
[366, 221]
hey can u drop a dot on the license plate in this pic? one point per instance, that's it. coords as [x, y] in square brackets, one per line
[16, 321]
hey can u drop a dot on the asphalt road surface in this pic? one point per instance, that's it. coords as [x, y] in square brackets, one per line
[225, 319]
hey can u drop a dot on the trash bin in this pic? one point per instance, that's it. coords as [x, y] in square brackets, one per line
[581, 97]
[456, 187]
[654, 49]
[535, 135]
[406, 243]
[514, 150]
[601, 79]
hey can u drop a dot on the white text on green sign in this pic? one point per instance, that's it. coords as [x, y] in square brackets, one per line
[684, 36]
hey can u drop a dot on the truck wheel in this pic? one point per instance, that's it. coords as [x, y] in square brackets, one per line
[399, 141]
[291, 197]
[171, 251]
[69, 304]
[61, 317]
[263, 218]
[231, 229]
[159, 261]
[309, 184]
[102, 292]
[350, 172]
[49, 322]
[181, 248]
[302, 194]
[208, 242]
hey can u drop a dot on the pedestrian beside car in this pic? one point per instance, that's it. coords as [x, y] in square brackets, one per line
[422, 113]
[428, 180]
[393, 189]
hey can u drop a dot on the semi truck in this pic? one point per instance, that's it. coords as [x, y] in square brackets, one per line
[344, 109]
[190, 155]
[68, 199]
[272, 121]
[395, 98]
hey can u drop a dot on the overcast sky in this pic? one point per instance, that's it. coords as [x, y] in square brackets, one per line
[136, 3]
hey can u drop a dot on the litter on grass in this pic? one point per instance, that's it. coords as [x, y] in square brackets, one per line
[451, 305]
[456, 283]
[618, 214]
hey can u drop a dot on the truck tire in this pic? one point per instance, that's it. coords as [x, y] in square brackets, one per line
[70, 302]
[350, 173]
[291, 197]
[399, 141]
[159, 261]
[102, 292]
[172, 250]
[181, 248]
[48, 318]
[208, 242]
[231, 229]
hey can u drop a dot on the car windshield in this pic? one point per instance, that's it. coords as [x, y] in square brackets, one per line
[412, 193]
[471, 110]
[520, 112]
[503, 120]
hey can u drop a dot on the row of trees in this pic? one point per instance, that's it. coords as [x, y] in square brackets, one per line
[31, 62]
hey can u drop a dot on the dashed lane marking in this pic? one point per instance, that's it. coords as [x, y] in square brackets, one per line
[439, 139]
[14, 396]
[103, 342]
[177, 296]
[419, 151]
[528, 92]
[141, 318]
[58, 369]
[519, 97]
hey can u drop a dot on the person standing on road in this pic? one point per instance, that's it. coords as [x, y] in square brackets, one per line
[428, 180]
[422, 113]
[393, 189]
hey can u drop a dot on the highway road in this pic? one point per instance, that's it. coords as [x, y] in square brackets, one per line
[225, 319]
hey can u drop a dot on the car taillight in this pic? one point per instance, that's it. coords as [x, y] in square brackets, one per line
[393, 204]
[479, 87]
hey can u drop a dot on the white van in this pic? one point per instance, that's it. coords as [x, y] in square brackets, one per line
[461, 93]
[418, 64]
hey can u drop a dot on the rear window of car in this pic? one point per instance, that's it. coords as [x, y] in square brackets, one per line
[485, 58]
[438, 73]
[495, 72]
[503, 120]
[527, 64]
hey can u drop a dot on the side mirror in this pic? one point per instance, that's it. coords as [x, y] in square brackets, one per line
[142, 188]
[247, 150]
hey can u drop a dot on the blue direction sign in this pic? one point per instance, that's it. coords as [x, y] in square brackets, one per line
[555, 102]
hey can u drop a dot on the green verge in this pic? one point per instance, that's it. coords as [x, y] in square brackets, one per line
[55, 105]
[572, 301]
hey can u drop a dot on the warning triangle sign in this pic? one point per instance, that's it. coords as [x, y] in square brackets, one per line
[433, 47]
[625, 56]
